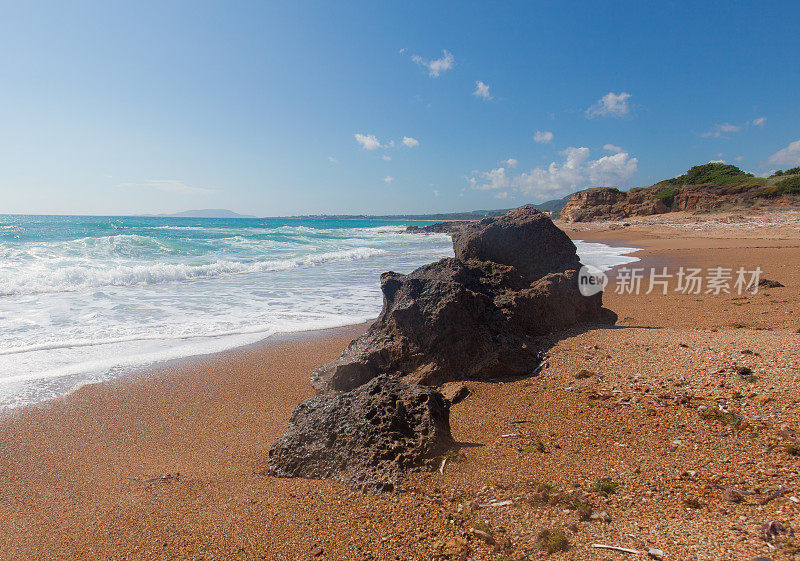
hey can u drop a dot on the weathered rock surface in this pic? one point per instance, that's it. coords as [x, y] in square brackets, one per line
[472, 317]
[367, 438]
[609, 203]
[447, 227]
[454, 392]
[523, 238]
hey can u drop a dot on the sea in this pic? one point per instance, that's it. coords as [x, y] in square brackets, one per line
[85, 299]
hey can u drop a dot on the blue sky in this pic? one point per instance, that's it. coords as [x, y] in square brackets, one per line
[113, 108]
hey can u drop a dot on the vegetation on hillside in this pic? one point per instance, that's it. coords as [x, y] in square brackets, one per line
[787, 186]
[667, 195]
[714, 172]
[792, 171]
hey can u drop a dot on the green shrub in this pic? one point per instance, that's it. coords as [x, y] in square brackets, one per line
[713, 172]
[790, 185]
[667, 195]
[605, 486]
[786, 186]
[552, 540]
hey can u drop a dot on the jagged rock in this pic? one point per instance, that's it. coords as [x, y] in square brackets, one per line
[523, 238]
[439, 228]
[609, 203]
[470, 317]
[767, 283]
[454, 392]
[367, 438]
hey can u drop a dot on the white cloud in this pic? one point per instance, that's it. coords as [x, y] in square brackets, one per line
[386, 157]
[437, 66]
[410, 142]
[717, 162]
[543, 137]
[368, 141]
[501, 195]
[482, 90]
[511, 162]
[575, 172]
[612, 148]
[760, 121]
[789, 156]
[490, 180]
[401, 51]
[721, 130]
[436, 192]
[333, 160]
[388, 179]
[171, 186]
[610, 105]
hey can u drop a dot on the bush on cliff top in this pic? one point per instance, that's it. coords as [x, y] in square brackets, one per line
[788, 186]
[713, 172]
[792, 171]
[667, 195]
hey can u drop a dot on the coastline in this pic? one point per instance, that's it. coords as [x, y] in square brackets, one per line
[64, 492]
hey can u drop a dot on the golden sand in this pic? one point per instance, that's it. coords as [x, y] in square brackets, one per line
[94, 475]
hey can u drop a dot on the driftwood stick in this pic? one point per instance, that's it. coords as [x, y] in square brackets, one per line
[776, 494]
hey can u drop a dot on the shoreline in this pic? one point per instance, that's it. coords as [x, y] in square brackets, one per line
[65, 490]
[188, 362]
[144, 369]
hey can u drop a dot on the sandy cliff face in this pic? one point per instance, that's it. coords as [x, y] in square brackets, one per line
[609, 203]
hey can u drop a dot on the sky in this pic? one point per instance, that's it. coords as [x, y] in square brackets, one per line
[285, 108]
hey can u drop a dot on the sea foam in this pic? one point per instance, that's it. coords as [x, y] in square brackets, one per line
[85, 299]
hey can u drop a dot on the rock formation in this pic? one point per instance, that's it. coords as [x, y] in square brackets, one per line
[609, 203]
[524, 238]
[439, 228]
[366, 438]
[476, 316]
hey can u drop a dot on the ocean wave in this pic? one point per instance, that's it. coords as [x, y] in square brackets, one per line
[77, 343]
[80, 277]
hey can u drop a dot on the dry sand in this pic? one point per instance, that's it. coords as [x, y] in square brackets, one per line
[64, 465]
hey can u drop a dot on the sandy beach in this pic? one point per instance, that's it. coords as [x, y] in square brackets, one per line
[95, 475]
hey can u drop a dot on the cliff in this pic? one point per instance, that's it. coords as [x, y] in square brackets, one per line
[701, 189]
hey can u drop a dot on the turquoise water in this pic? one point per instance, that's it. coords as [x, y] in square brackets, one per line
[84, 299]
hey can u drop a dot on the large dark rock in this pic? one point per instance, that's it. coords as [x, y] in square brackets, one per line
[472, 317]
[523, 238]
[367, 438]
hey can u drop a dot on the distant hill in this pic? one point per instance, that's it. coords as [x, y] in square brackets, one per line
[704, 188]
[550, 206]
[555, 205]
[208, 213]
[468, 215]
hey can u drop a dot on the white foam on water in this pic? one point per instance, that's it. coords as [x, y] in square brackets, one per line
[604, 257]
[91, 308]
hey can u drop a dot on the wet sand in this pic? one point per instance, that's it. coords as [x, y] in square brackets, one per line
[74, 473]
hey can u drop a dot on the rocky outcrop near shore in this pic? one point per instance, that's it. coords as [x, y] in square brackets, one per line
[523, 238]
[609, 203]
[447, 227]
[476, 316]
[703, 188]
[366, 438]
